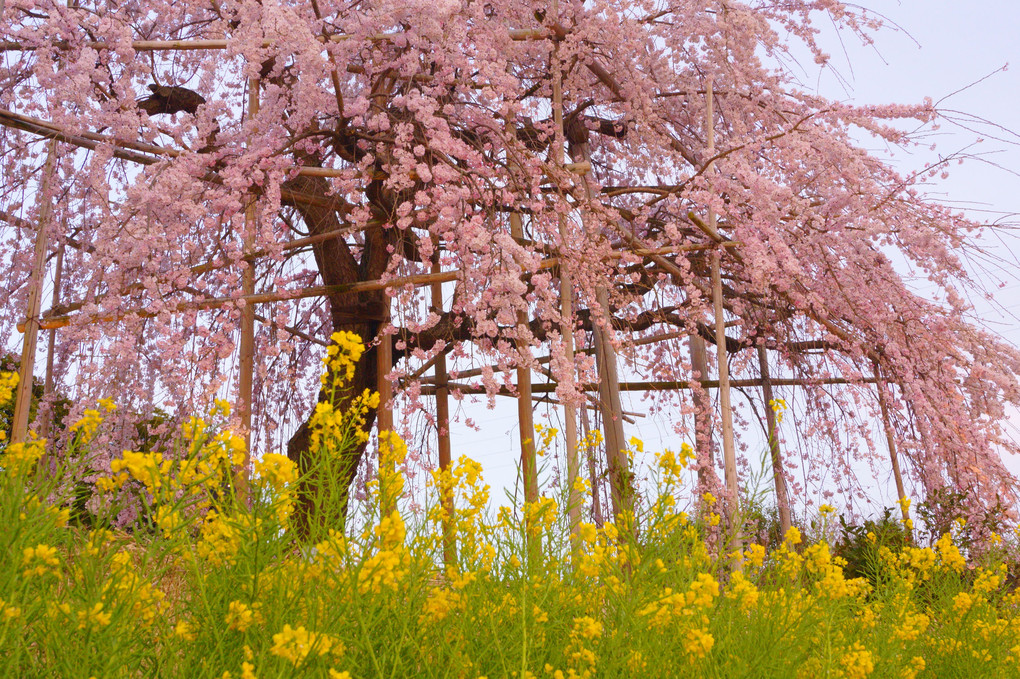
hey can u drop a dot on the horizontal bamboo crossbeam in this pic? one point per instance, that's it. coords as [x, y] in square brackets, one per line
[545, 398]
[52, 321]
[222, 43]
[678, 385]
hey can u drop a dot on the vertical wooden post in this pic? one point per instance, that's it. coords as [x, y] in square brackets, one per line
[246, 351]
[729, 454]
[566, 301]
[443, 422]
[525, 416]
[708, 481]
[23, 397]
[782, 497]
[891, 440]
[58, 273]
[383, 365]
[612, 417]
[593, 476]
[610, 404]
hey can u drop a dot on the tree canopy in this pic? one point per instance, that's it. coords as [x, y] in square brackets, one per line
[342, 151]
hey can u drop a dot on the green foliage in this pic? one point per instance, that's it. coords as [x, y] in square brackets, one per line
[61, 405]
[859, 544]
[222, 585]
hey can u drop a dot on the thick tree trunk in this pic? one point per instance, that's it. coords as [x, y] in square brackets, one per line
[360, 313]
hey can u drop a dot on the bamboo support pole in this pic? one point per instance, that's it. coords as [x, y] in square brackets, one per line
[622, 494]
[566, 300]
[525, 418]
[593, 401]
[206, 267]
[58, 272]
[778, 475]
[246, 351]
[195, 45]
[612, 418]
[52, 321]
[384, 415]
[708, 481]
[443, 427]
[651, 339]
[664, 385]
[593, 475]
[23, 397]
[890, 438]
[725, 407]
[279, 296]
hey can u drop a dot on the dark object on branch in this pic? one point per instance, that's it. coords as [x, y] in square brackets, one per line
[610, 128]
[170, 99]
[532, 137]
[210, 141]
[576, 129]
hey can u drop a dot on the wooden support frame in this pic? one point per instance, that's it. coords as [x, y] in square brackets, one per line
[246, 349]
[23, 394]
[58, 274]
[890, 438]
[53, 321]
[778, 475]
[525, 417]
[663, 385]
[384, 413]
[708, 481]
[443, 425]
[566, 302]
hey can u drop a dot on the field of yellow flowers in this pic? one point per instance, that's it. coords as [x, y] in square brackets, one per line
[208, 586]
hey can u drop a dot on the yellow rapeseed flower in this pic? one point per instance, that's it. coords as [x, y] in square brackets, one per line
[94, 617]
[8, 611]
[8, 383]
[221, 407]
[792, 536]
[698, 643]
[39, 560]
[295, 644]
[185, 630]
[239, 616]
[276, 470]
[857, 662]
[949, 554]
[962, 603]
[588, 627]
[21, 457]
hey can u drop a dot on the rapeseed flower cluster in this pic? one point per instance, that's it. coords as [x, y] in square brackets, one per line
[207, 584]
[8, 383]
